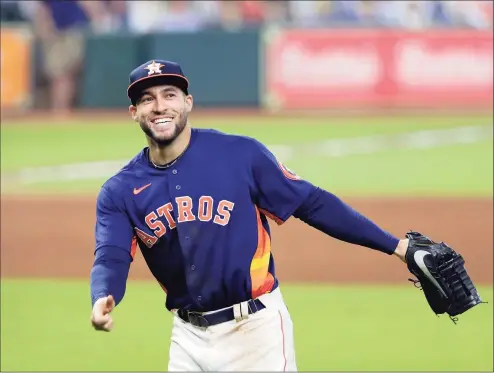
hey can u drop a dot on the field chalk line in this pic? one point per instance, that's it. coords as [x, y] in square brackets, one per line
[335, 148]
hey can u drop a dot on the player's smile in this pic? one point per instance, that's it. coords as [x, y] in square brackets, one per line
[162, 123]
[162, 119]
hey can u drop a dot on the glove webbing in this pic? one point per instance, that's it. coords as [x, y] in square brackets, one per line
[463, 293]
[456, 283]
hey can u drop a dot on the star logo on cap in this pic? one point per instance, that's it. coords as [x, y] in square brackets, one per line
[154, 68]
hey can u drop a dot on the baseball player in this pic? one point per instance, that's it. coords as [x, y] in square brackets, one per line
[196, 202]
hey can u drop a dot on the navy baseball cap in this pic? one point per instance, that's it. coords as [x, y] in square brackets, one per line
[155, 72]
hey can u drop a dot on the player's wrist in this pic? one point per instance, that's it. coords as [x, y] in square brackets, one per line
[99, 300]
[401, 249]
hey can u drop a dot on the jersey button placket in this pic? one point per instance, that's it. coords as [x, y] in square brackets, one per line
[187, 239]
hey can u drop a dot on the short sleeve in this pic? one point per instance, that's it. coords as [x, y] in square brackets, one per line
[278, 190]
[113, 227]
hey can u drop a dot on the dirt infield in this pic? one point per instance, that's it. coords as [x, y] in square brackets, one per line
[53, 237]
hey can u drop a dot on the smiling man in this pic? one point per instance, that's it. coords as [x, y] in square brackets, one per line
[161, 105]
[196, 203]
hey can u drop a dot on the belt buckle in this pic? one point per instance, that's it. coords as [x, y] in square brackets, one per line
[197, 319]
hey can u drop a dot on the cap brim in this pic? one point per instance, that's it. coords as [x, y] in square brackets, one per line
[135, 89]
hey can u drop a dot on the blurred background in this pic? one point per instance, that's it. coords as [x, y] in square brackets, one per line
[388, 104]
[76, 47]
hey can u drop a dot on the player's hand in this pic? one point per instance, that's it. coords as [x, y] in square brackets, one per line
[100, 317]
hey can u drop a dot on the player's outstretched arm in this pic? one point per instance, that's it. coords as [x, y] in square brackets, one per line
[440, 270]
[280, 193]
[329, 214]
[108, 282]
[114, 252]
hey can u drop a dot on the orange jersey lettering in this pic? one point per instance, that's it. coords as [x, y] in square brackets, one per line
[148, 240]
[165, 211]
[205, 212]
[155, 225]
[184, 205]
[224, 209]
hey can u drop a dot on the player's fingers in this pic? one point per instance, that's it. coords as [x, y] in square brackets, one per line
[110, 303]
[109, 325]
[100, 319]
[103, 323]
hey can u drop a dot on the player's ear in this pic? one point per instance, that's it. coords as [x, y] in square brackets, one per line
[189, 102]
[133, 112]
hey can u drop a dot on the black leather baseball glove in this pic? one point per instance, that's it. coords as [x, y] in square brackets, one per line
[441, 274]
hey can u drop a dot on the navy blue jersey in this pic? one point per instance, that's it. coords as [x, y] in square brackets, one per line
[201, 224]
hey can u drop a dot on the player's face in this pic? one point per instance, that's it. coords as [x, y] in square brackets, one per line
[162, 113]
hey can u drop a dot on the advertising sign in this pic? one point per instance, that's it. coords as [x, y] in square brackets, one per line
[335, 68]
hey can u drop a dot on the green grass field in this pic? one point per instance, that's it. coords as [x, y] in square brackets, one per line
[45, 324]
[444, 170]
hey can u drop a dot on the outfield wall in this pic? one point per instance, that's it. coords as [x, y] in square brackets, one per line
[278, 68]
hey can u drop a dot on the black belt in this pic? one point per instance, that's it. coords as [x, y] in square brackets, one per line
[201, 320]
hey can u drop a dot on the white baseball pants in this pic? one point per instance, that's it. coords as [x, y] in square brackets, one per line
[262, 342]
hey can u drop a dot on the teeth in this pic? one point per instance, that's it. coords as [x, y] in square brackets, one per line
[163, 120]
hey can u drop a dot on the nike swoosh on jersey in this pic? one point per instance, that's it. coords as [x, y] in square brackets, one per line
[139, 190]
[419, 256]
